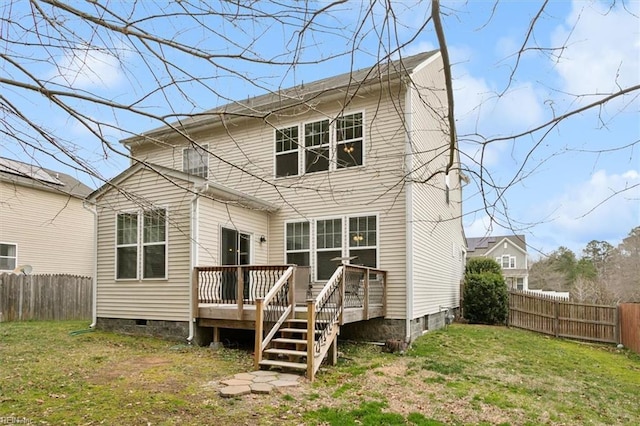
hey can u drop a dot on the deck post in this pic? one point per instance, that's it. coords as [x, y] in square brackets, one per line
[292, 293]
[333, 351]
[311, 327]
[258, 340]
[240, 292]
[384, 294]
[366, 294]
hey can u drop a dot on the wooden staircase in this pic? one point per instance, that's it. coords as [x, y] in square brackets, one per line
[294, 338]
[289, 349]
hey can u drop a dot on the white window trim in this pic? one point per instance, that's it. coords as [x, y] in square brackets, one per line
[511, 258]
[140, 245]
[309, 250]
[15, 257]
[333, 145]
[377, 246]
[204, 146]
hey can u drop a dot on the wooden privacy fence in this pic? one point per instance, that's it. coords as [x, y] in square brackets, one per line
[44, 297]
[561, 318]
[630, 325]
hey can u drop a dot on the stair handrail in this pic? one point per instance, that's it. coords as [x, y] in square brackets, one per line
[282, 289]
[323, 314]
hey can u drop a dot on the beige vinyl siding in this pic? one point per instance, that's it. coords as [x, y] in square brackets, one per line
[53, 232]
[436, 226]
[213, 215]
[375, 188]
[162, 299]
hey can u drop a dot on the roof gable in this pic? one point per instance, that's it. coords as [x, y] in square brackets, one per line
[485, 245]
[264, 105]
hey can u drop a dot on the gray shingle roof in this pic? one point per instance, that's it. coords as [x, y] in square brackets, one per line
[25, 174]
[263, 105]
[484, 244]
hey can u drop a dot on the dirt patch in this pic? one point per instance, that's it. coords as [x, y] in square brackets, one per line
[126, 369]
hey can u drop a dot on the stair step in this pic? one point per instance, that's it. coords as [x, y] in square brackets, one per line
[286, 340]
[285, 364]
[296, 330]
[285, 352]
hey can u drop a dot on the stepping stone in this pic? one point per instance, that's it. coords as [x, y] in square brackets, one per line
[283, 383]
[236, 382]
[244, 376]
[261, 388]
[264, 379]
[231, 391]
[289, 377]
[264, 373]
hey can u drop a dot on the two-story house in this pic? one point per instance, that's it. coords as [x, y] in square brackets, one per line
[43, 222]
[509, 251]
[344, 177]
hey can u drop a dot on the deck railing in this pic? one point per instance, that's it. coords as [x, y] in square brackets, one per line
[231, 284]
[272, 310]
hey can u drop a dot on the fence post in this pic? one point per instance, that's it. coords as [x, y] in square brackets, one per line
[618, 326]
[556, 306]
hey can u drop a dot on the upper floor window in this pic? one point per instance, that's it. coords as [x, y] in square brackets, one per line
[506, 261]
[349, 140]
[316, 143]
[8, 256]
[147, 249]
[287, 151]
[195, 161]
[320, 146]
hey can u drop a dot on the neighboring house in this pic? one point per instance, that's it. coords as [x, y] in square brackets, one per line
[349, 169]
[509, 251]
[43, 222]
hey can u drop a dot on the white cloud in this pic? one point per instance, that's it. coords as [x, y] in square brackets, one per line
[601, 47]
[484, 226]
[85, 67]
[606, 207]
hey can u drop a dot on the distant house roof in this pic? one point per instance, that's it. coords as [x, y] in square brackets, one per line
[481, 245]
[25, 174]
[263, 105]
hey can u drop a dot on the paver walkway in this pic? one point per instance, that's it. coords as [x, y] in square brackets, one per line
[261, 381]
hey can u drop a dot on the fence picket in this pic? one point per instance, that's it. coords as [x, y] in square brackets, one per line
[45, 297]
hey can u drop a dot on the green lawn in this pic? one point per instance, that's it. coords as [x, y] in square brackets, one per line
[462, 375]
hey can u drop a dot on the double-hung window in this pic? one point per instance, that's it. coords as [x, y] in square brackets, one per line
[287, 151]
[298, 243]
[195, 161]
[363, 241]
[316, 144]
[141, 244]
[349, 140]
[8, 256]
[328, 246]
[507, 262]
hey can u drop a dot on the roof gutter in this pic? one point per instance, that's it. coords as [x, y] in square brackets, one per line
[194, 257]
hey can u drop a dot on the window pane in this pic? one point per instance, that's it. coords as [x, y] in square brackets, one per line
[287, 139]
[195, 161]
[287, 164]
[349, 154]
[154, 261]
[298, 236]
[326, 267]
[300, 259]
[316, 133]
[362, 231]
[8, 250]
[316, 160]
[366, 257]
[154, 226]
[329, 233]
[127, 262]
[349, 127]
[127, 228]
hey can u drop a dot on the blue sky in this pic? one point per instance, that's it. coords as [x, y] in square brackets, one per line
[565, 180]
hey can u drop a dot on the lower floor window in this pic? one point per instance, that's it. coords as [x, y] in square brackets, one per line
[141, 244]
[8, 256]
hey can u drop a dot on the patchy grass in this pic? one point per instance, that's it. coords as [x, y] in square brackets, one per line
[462, 375]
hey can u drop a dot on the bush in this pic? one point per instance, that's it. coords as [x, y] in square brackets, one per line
[479, 265]
[486, 300]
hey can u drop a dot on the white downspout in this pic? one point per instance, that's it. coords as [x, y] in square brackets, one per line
[409, 215]
[194, 257]
[94, 280]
